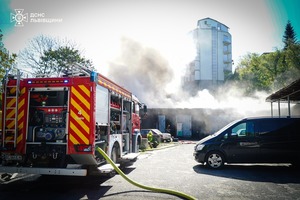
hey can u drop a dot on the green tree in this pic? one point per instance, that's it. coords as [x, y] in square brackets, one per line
[6, 61]
[60, 60]
[252, 73]
[268, 71]
[273, 62]
[292, 54]
[48, 56]
[290, 66]
[289, 36]
[30, 56]
[272, 70]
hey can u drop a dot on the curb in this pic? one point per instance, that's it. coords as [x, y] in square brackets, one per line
[168, 145]
[161, 147]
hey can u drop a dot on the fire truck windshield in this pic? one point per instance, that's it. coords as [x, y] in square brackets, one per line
[48, 98]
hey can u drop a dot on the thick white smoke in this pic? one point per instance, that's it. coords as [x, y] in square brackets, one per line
[154, 79]
[143, 71]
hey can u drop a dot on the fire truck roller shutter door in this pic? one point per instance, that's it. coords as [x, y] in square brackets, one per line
[115, 152]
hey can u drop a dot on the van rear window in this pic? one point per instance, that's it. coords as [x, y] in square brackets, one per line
[274, 127]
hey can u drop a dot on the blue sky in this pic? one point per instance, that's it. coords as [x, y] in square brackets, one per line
[282, 11]
[5, 10]
[97, 26]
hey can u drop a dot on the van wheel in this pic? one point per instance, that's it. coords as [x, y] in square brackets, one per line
[215, 160]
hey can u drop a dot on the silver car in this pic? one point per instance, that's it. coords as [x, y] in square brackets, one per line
[166, 137]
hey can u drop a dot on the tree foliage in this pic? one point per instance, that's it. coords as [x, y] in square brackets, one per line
[252, 73]
[60, 60]
[289, 36]
[270, 71]
[6, 60]
[48, 56]
[292, 56]
[30, 57]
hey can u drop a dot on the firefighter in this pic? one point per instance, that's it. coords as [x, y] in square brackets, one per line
[150, 138]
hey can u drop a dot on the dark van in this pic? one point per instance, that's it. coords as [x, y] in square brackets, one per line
[252, 140]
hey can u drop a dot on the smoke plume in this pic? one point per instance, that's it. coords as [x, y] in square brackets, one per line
[143, 71]
[148, 74]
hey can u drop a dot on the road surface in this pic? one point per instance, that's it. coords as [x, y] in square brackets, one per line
[173, 168]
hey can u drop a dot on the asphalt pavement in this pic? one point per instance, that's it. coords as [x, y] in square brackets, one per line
[169, 166]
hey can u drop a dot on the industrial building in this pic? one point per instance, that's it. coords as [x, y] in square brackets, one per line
[197, 123]
[186, 123]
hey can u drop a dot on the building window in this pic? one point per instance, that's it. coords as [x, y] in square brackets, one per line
[226, 40]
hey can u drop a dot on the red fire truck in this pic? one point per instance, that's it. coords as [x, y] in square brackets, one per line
[53, 125]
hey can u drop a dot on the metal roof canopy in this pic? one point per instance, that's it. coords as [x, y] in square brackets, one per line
[289, 94]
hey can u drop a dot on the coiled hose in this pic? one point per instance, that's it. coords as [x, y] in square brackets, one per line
[173, 192]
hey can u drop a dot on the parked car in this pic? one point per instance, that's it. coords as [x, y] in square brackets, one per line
[156, 134]
[252, 140]
[167, 137]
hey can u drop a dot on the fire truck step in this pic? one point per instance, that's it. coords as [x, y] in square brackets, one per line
[74, 166]
[130, 156]
[107, 168]
[44, 171]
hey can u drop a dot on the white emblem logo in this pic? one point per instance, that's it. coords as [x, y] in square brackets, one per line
[19, 17]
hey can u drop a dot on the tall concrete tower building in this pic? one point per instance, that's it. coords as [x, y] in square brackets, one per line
[213, 58]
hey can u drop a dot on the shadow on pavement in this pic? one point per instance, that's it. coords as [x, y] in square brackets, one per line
[55, 187]
[135, 193]
[254, 172]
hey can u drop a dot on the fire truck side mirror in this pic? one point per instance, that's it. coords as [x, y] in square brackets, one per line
[145, 109]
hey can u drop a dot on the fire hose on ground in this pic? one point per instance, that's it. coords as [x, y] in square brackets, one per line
[161, 190]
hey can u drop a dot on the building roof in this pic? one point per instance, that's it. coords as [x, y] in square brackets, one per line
[208, 18]
[289, 93]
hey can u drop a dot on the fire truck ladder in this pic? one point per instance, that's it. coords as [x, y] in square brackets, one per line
[10, 121]
[76, 69]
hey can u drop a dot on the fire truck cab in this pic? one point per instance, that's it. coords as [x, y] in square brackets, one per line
[53, 125]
